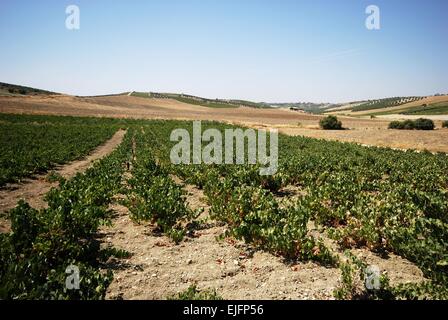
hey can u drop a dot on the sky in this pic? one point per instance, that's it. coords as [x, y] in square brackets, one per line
[259, 50]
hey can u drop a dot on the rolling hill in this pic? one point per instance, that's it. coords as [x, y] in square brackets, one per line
[195, 100]
[12, 89]
[431, 105]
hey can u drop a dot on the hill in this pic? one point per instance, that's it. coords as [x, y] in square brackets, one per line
[310, 107]
[431, 105]
[385, 103]
[205, 102]
[12, 89]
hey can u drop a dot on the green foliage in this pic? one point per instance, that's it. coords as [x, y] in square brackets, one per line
[249, 175]
[424, 124]
[395, 125]
[160, 201]
[382, 199]
[53, 176]
[352, 285]
[432, 109]
[38, 147]
[192, 293]
[205, 102]
[12, 88]
[43, 243]
[354, 279]
[114, 252]
[422, 291]
[155, 197]
[347, 288]
[385, 103]
[419, 124]
[379, 198]
[330, 123]
[199, 101]
[253, 215]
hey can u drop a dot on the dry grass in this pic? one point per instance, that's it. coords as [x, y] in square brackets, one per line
[362, 130]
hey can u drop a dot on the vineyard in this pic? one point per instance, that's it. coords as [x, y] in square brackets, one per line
[199, 101]
[39, 146]
[385, 103]
[387, 201]
[436, 108]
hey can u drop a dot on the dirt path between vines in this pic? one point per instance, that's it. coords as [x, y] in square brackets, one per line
[33, 190]
[158, 268]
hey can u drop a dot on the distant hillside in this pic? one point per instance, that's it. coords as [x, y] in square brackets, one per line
[433, 105]
[385, 103]
[430, 105]
[307, 106]
[428, 109]
[211, 103]
[12, 89]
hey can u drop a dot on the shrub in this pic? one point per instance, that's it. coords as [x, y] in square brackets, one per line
[330, 123]
[419, 124]
[424, 124]
[54, 176]
[445, 124]
[353, 283]
[155, 197]
[396, 125]
[160, 200]
[408, 125]
[254, 215]
[35, 255]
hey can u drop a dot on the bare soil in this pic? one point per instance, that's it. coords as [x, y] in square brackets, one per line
[159, 269]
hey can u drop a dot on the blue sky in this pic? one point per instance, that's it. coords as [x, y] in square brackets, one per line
[274, 51]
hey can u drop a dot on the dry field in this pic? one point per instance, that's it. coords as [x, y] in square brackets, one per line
[364, 131]
[397, 109]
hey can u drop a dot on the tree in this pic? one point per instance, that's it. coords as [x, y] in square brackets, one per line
[396, 125]
[424, 124]
[419, 124]
[330, 123]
